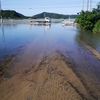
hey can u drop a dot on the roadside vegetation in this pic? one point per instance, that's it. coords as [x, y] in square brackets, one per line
[96, 28]
[89, 20]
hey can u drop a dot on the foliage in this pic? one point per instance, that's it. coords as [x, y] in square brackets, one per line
[96, 28]
[53, 15]
[11, 14]
[87, 20]
[15, 15]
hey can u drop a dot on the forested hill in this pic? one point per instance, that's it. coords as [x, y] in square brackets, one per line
[53, 15]
[11, 14]
[15, 15]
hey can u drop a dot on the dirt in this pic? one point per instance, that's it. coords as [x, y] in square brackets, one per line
[5, 63]
[50, 78]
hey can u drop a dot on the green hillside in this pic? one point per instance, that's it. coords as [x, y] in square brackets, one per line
[11, 14]
[15, 15]
[53, 15]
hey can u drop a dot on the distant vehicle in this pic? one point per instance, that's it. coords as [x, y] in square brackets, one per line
[46, 20]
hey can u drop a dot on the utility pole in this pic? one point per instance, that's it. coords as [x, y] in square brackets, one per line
[44, 14]
[87, 4]
[83, 6]
[1, 12]
[90, 5]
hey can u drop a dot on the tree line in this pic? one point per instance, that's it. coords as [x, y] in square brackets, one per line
[53, 15]
[6, 14]
[89, 20]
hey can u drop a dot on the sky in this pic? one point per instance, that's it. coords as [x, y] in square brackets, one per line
[33, 7]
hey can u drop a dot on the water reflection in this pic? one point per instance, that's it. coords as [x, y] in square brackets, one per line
[46, 26]
[90, 38]
[3, 38]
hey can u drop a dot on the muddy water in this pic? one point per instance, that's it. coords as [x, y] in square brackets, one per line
[45, 40]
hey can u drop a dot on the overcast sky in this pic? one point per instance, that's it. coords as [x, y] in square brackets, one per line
[32, 7]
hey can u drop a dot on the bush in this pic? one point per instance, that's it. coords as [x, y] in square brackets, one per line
[96, 28]
[87, 20]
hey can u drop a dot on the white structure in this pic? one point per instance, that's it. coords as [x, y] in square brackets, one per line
[68, 22]
[47, 19]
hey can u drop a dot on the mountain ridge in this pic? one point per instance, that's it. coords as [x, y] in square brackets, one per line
[6, 14]
[53, 15]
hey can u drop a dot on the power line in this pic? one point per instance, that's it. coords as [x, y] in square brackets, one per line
[83, 6]
[0, 6]
[87, 4]
[90, 5]
[1, 12]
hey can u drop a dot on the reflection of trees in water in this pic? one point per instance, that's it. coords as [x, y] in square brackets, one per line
[90, 38]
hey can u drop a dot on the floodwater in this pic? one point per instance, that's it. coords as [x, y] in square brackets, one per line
[51, 38]
[14, 36]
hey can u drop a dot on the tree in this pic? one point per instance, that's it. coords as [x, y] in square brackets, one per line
[87, 20]
[96, 28]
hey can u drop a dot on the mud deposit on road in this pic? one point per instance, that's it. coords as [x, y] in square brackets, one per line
[5, 63]
[49, 79]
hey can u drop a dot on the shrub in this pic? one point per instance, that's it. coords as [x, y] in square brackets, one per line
[96, 28]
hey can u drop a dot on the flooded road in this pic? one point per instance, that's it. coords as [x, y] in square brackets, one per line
[37, 42]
